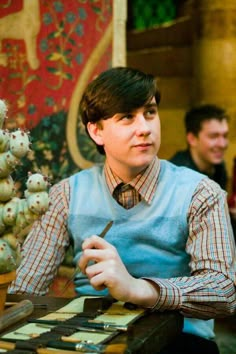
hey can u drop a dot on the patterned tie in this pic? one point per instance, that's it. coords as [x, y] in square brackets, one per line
[126, 195]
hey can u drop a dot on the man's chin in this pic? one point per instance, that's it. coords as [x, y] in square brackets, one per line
[217, 161]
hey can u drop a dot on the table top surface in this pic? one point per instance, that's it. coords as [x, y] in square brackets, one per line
[150, 333]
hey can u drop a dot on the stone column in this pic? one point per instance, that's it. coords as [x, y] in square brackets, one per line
[214, 60]
[214, 52]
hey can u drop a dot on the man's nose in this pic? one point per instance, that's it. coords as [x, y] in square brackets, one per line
[222, 141]
[142, 126]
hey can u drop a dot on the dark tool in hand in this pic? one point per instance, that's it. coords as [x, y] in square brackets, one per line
[77, 269]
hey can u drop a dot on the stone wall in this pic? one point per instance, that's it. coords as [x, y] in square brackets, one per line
[194, 61]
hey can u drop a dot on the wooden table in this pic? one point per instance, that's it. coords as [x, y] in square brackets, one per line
[149, 335]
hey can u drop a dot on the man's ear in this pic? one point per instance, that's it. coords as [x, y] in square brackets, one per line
[95, 132]
[191, 139]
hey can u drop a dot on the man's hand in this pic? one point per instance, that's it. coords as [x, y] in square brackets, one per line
[108, 271]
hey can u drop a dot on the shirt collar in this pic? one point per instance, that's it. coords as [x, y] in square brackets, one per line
[145, 183]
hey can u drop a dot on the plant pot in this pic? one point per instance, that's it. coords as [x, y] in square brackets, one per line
[5, 281]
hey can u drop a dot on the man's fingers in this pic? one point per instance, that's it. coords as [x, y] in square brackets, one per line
[94, 242]
[95, 251]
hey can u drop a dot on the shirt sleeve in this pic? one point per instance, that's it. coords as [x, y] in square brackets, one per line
[210, 290]
[44, 248]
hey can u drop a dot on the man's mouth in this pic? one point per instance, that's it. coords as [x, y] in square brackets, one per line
[219, 154]
[143, 145]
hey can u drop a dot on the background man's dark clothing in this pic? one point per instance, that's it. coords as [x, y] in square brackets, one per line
[183, 158]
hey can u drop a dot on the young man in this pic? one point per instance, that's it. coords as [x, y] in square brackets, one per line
[207, 138]
[170, 246]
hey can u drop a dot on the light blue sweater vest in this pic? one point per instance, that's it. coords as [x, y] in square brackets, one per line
[150, 239]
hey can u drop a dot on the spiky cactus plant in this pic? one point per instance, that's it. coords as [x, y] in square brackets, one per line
[16, 213]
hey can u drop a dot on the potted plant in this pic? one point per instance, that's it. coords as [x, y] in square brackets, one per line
[16, 213]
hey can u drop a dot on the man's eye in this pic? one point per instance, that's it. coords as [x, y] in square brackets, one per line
[151, 112]
[127, 116]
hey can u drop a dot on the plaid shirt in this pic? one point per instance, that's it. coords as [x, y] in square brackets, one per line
[142, 186]
[207, 293]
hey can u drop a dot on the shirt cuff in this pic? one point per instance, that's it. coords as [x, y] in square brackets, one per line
[169, 295]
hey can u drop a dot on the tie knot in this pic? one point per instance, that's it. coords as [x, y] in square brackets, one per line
[126, 195]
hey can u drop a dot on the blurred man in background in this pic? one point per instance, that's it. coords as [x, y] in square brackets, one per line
[207, 138]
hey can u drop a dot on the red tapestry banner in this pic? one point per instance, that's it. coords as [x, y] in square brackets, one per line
[49, 51]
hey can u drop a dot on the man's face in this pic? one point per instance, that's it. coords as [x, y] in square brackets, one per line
[130, 139]
[210, 144]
